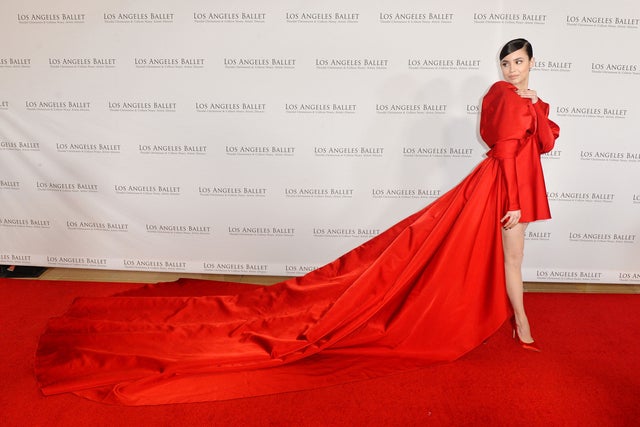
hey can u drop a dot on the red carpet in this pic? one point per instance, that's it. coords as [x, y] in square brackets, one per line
[588, 374]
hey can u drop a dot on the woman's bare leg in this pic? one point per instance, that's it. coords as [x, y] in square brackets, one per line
[513, 244]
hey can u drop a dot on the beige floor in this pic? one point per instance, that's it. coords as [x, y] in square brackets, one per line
[91, 275]
[76, 274]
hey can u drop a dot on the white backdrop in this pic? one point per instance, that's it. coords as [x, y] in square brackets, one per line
[269, 138]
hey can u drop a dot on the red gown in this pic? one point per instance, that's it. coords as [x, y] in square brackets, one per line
[429, 289]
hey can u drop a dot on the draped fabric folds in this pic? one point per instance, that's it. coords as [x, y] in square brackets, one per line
[429, 289]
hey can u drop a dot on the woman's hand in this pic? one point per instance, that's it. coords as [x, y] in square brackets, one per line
[510, 219]
[528, 93]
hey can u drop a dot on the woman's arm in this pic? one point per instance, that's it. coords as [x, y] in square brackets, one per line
[505, 151]
[548, 131]
[504, 120]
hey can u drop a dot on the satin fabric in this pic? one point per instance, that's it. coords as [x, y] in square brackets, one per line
[429, 289]
[518, 131]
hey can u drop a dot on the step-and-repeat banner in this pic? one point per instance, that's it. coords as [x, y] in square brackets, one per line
[253, 137]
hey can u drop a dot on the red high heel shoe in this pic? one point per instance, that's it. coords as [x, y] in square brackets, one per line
[531, 346]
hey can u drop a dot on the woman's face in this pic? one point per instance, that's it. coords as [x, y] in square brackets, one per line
[515, 68]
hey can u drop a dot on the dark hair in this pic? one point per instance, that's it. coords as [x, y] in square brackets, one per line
[516, 44]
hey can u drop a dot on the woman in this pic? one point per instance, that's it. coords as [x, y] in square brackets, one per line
[520, 161]
[430, 288]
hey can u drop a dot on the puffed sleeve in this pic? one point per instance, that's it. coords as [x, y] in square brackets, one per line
[548, 131]
[504, 122]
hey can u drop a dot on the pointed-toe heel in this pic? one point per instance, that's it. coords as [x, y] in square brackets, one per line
[531, 346]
